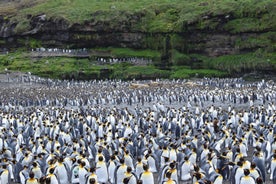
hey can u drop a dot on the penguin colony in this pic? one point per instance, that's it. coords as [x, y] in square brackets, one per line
[169, 132]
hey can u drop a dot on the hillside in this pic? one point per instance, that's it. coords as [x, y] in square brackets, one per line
[231, 36]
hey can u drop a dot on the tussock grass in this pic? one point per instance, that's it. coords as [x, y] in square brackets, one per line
[11, 8]
[157, 15]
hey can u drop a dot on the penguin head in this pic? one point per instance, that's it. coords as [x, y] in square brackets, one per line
[259, 180]
[126, 180]
[31, 175]
[52, 170]
[4, 166]
[207, 182]
[34, 164]
[129, 169]
[172, 165]
[239, 163]
[168, 175]
[197, 175]
[92, 169]
[101, 158]
[253, 165]
[196, 168]
[246, 172]
[145, 167]
[122, 161]
[186, 158]
[92, 181]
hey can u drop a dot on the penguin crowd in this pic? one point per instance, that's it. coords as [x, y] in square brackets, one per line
[163, 132]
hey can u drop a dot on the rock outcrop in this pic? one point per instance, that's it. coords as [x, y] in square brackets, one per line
[60, 33]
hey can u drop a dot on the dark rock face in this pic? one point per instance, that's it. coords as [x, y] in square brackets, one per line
[59, 33]
[213, 44]
[6, 27]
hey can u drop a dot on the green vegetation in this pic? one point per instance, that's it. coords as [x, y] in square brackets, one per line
[66, 67]
[127, 52]
[85, 68]
[151, 16]
[249, 62]
[184, 72]
[53, 67]
[178, 36]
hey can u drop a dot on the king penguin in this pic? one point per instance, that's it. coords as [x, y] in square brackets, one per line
[62, 171]
[185, 169]
[247, 179]
[92, 181]
[112, 168]
[169, 180]
[91, 176]
[130, 176]
[147, 176]
[120, 172]
[82, 173]
[5, 175]
[139, 166]
[51, 177]
[273, 166]
[32, 179]
[36, 170]
[101, 172]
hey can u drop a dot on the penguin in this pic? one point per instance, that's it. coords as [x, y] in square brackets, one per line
[223, 165]
[17, 167]
[193, 156]
[243, 148]
[32, 179]
[147, 176]
[260, 181]
[198, 178]
[24, 174]
[168, 179]
[92, 181]
[272, 166]
[120, 171]
[198, 174]
[62, 171]
[5, 177]
[237, 173]
[112, 165]
[36, 170]
[130, 177]
[51, 177]
[218, 178]
[139, 166]
[173, 153]
[75, 171]
[173, 171]
[152, 161]
[247, 179]
[128, 159]
[91, 176]
[185, 169]
[102, 171]
[254, 171]
[260, 163]
[82, 172]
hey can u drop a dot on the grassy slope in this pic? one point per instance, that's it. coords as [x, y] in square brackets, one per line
[63, 67]
[160, 15]
[157, 16]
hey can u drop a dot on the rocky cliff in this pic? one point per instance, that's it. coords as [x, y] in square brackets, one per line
[210, 34]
